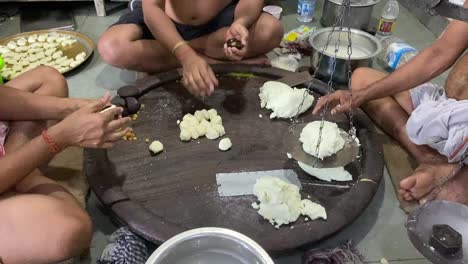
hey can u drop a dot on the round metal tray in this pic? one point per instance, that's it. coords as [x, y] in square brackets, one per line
[83, 44]
[161, 196]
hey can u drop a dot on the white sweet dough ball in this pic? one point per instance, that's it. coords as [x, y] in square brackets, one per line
[191, 120]
[211, 133]
[52, 39]
[216, 120]
[212, 113]
[32, 58]
[68, 42]
[21, 42]
[40, 55]
[185, 134]
[201, 129]
[57, 54]
[220, 129]
[184, 124]
[60, 39]
[156, 147]
[205, 113]
[4, 50]
[199, 116]
[205, 123]
[12, 45]
[32, 39]
[225, 144]
[63, 69]
[50, 51]
[17, 68]
[74, 64]
[80, 56]
[42, 37]
[194, 133]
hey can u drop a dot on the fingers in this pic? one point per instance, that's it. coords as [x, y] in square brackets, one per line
[115, 135]
[106, 98]
[320, 105]
[94, 107]
[118, 123]
[238, 53]
[110, 114]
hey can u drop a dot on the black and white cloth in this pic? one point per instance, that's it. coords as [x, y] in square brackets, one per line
[125, 247]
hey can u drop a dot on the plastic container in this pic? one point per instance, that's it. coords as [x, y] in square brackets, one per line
[285, 63]
[273, 10]
[305, 10]
[395, 52]
[388, 19]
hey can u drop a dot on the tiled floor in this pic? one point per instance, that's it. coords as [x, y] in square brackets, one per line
[378, 233]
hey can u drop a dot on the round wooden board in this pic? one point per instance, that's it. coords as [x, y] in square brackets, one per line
[83, 44]
[161, 196]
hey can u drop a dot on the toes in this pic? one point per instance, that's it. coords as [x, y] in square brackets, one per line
[408, 183]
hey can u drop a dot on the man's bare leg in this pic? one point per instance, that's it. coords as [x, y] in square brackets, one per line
[122, 46]
[42, 210]
[391, 114]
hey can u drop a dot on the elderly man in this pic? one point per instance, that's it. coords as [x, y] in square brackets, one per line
[158, 35]
[429, 121]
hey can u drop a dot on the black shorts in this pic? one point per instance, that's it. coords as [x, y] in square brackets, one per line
[135, 16]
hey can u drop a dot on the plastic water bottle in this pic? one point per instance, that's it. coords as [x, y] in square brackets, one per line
[396, 52]
[388, 18]
[305, 10]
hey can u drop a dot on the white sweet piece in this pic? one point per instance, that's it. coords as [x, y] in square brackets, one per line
[156, 147]
[57, 55]
[205, 114]
[60, 39]
[46, 60]
[68, 42]
[50, 51]
[4, 50]
[199, 115]
[190, 119]
[21, 42]
[194, 133]
[211, 133]
[201, 129]
[63, 69]
[184, 124]
[220, 129]
[52, 38]
[280, 202]
[17, 68]
[32, 39]
[80, 56]
[313, 210]
[12, 45]
[283, 100]
[331, 140]
[212, 113]
[225, 144]
[73, 64]
[327, 174]
[66, 63]
[185, 134]
[289, 155]
[32, 58]
[40, 55]
[216, 120]
[42, 37]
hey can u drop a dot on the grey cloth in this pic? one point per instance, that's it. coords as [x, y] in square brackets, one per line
[125, 248]
[439, 122]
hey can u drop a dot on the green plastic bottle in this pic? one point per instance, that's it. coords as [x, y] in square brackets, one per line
[2, 64]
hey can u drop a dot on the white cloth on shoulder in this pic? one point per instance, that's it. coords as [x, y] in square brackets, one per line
[439, 122]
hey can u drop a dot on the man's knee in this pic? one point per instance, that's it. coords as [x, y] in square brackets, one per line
[54, 80]
[75, 235]
[270, 31]
[112, 50]
[363, 77]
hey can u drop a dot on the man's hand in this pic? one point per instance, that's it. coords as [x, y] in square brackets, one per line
[239, 32]
[89, 128]
[339, 102]
[199, 78]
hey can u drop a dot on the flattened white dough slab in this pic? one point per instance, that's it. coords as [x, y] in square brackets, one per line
[331, 140]
[225, 144]
[156, 147]
[283, 100]
[327, 174]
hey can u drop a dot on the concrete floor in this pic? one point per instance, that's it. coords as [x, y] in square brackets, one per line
[378, 233]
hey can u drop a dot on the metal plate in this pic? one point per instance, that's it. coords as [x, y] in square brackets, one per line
[420, 223]
[83, 44]
[293, 145]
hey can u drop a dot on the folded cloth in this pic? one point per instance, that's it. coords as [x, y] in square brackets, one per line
[125, 248]
[439, 122]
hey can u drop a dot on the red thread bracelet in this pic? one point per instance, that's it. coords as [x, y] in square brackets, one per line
[53, 147]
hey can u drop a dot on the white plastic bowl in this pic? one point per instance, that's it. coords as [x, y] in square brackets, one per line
[273, 10]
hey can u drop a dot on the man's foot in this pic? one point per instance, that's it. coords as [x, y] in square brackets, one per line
[456, 190]
[425, 178]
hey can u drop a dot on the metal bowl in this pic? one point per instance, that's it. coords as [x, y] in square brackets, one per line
[360, 14]
[364, 48]
[210, 245]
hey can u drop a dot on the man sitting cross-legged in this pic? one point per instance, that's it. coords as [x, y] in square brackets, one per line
[429, 121]
[159, 35]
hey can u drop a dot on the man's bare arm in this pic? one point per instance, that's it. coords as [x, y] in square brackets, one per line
[430, 63]
[162, 26]
[247, 12]
[17, 105]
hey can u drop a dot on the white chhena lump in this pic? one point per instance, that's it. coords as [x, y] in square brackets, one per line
[156, 147]
[327, 174]
[280, 202]
[283, 100]
[202, 123]
[331, 140]
[225, 144]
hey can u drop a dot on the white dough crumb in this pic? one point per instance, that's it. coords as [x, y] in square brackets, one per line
[178, 121]
[225, 144]
[289, 155]
[156, 147]
[260, 115]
